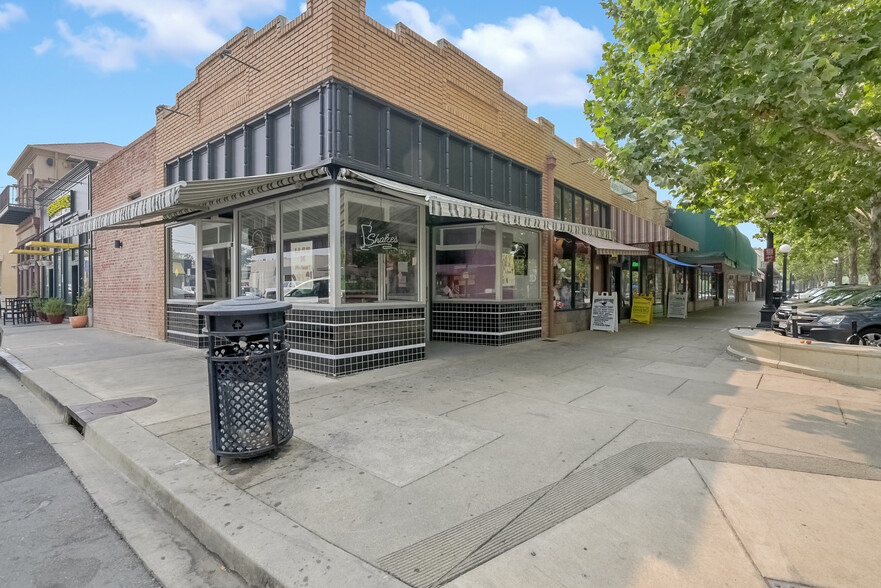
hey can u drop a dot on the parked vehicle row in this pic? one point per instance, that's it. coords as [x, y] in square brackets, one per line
[834, 315]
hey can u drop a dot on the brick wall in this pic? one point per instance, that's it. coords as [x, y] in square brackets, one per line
[336, 39]
[129, 282]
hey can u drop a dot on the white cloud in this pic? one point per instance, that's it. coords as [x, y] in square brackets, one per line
[416, 17]
[543, 57]
[304, 6]
[44, 46]
[9, 13]
[179, 29]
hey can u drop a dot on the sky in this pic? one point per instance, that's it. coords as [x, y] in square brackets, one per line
[95, 70]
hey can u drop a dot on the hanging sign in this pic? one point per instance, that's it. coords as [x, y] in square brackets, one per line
[641, 312]
[508, 270]
[770, 255]
[377, 234]
[59, 206]
[677, 305]
[604, 312]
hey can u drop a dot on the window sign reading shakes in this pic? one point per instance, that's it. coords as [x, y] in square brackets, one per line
[377, 234]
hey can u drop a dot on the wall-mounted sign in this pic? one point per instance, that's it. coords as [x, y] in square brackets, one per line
[60, 205]
[622, 189]
[377, 234]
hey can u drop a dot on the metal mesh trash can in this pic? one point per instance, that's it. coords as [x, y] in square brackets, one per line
[247, 376]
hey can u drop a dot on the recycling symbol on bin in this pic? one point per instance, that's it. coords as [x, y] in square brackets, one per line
[238, 325]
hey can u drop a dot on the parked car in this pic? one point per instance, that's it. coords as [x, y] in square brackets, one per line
[832, 323]
[828, 297]
[309, 291]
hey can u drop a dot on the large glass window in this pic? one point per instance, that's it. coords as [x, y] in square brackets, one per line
[519, 264]
[572, 273]
[465, 262]
[182, 263]
[380, 248]
[259, 260]
[216, 260]
[306, 249]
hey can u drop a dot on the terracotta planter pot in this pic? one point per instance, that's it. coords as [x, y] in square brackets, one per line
[55, 319]
[78, 322]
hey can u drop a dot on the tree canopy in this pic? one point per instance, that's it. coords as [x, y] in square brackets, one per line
[745, 106]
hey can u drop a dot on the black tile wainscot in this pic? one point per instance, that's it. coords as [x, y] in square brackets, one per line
[183, 326]
[346, 341]
[485, 323]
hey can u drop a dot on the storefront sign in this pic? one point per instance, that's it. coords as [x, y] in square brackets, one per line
[377, 234]
[717, 268]
[60, 205]
[642, 309]
[604, 312]
[677, 305]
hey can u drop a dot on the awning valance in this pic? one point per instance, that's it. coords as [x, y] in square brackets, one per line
[443, 205]
[184, 198]
[606, 247]
[674, 261]
[632, 229]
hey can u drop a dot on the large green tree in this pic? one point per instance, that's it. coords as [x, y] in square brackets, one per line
[748, 107]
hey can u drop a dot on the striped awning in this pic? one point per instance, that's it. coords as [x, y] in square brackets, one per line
[184, 198]
[632, 229]
[448, 206]
[605, 247]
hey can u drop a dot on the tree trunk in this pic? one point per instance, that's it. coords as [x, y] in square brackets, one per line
[875, 242]
[839, 269]
[852, 266]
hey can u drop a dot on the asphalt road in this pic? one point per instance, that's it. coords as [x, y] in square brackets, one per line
[52, 534]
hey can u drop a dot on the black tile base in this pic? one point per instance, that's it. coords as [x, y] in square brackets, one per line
[492, 324]
[184, 327]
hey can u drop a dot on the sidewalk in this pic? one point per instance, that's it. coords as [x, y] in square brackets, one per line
[645, 457]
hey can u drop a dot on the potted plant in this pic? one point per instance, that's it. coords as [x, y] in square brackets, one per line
[37, 305]
[82, 310]
[54, 309]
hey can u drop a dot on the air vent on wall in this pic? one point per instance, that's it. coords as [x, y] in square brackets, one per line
[50, 162]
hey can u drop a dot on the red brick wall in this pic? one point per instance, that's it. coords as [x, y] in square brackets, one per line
[129, 282]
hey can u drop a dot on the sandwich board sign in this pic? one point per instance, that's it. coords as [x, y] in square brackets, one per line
[604, 312]
[677, 305]
[643, 309]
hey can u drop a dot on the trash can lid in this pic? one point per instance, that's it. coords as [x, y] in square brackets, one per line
[244, 305]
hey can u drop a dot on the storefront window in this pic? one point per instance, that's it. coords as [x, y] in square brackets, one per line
[519, 264]
[380, 248]
[216, 260]
[182, 263]
[706, 285]
[305, 247]
[259, 259]
[465, 262]
[572, 273]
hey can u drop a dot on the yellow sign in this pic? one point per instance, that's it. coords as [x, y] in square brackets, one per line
[58, 205]
[51, 244]
[642, 309]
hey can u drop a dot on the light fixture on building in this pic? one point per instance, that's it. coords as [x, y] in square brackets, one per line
[228, 53]
[166, 108]
[117, 244]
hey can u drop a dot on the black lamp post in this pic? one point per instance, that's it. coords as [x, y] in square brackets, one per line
[768, 309]
[785, 249]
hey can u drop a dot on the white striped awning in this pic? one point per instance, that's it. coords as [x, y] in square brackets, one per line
[442, 205]
[605, 247]
[632, 229]
[185, 198]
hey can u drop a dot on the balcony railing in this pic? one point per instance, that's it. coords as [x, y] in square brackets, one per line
[16, 204]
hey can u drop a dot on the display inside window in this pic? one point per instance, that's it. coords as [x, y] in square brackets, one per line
[380, 249]
[706, 285]
[216, 260]
[519, 264]
[182, 263]
[465, 262]
[259, 259]
[572, 273]
[305, 249]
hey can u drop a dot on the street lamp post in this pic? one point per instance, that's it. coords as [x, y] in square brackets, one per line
[785, 249]
[768, 309]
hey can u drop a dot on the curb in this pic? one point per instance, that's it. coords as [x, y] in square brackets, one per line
[262, 545]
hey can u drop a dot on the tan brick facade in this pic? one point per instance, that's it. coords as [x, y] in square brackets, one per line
[129, 281]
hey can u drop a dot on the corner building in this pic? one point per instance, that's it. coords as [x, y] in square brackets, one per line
[386, 186]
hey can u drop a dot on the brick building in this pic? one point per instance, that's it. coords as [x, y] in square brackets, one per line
[387, 186]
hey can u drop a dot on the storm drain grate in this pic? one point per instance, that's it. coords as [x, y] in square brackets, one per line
[80, 414]
[441, 558]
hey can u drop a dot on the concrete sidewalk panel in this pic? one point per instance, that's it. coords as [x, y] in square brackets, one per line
[664, 530]
[802, 528]
[260, 543]
[706, 374]
[395, 443]
[721, 421]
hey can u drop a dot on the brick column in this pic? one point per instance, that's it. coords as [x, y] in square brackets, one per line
[547, 209]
